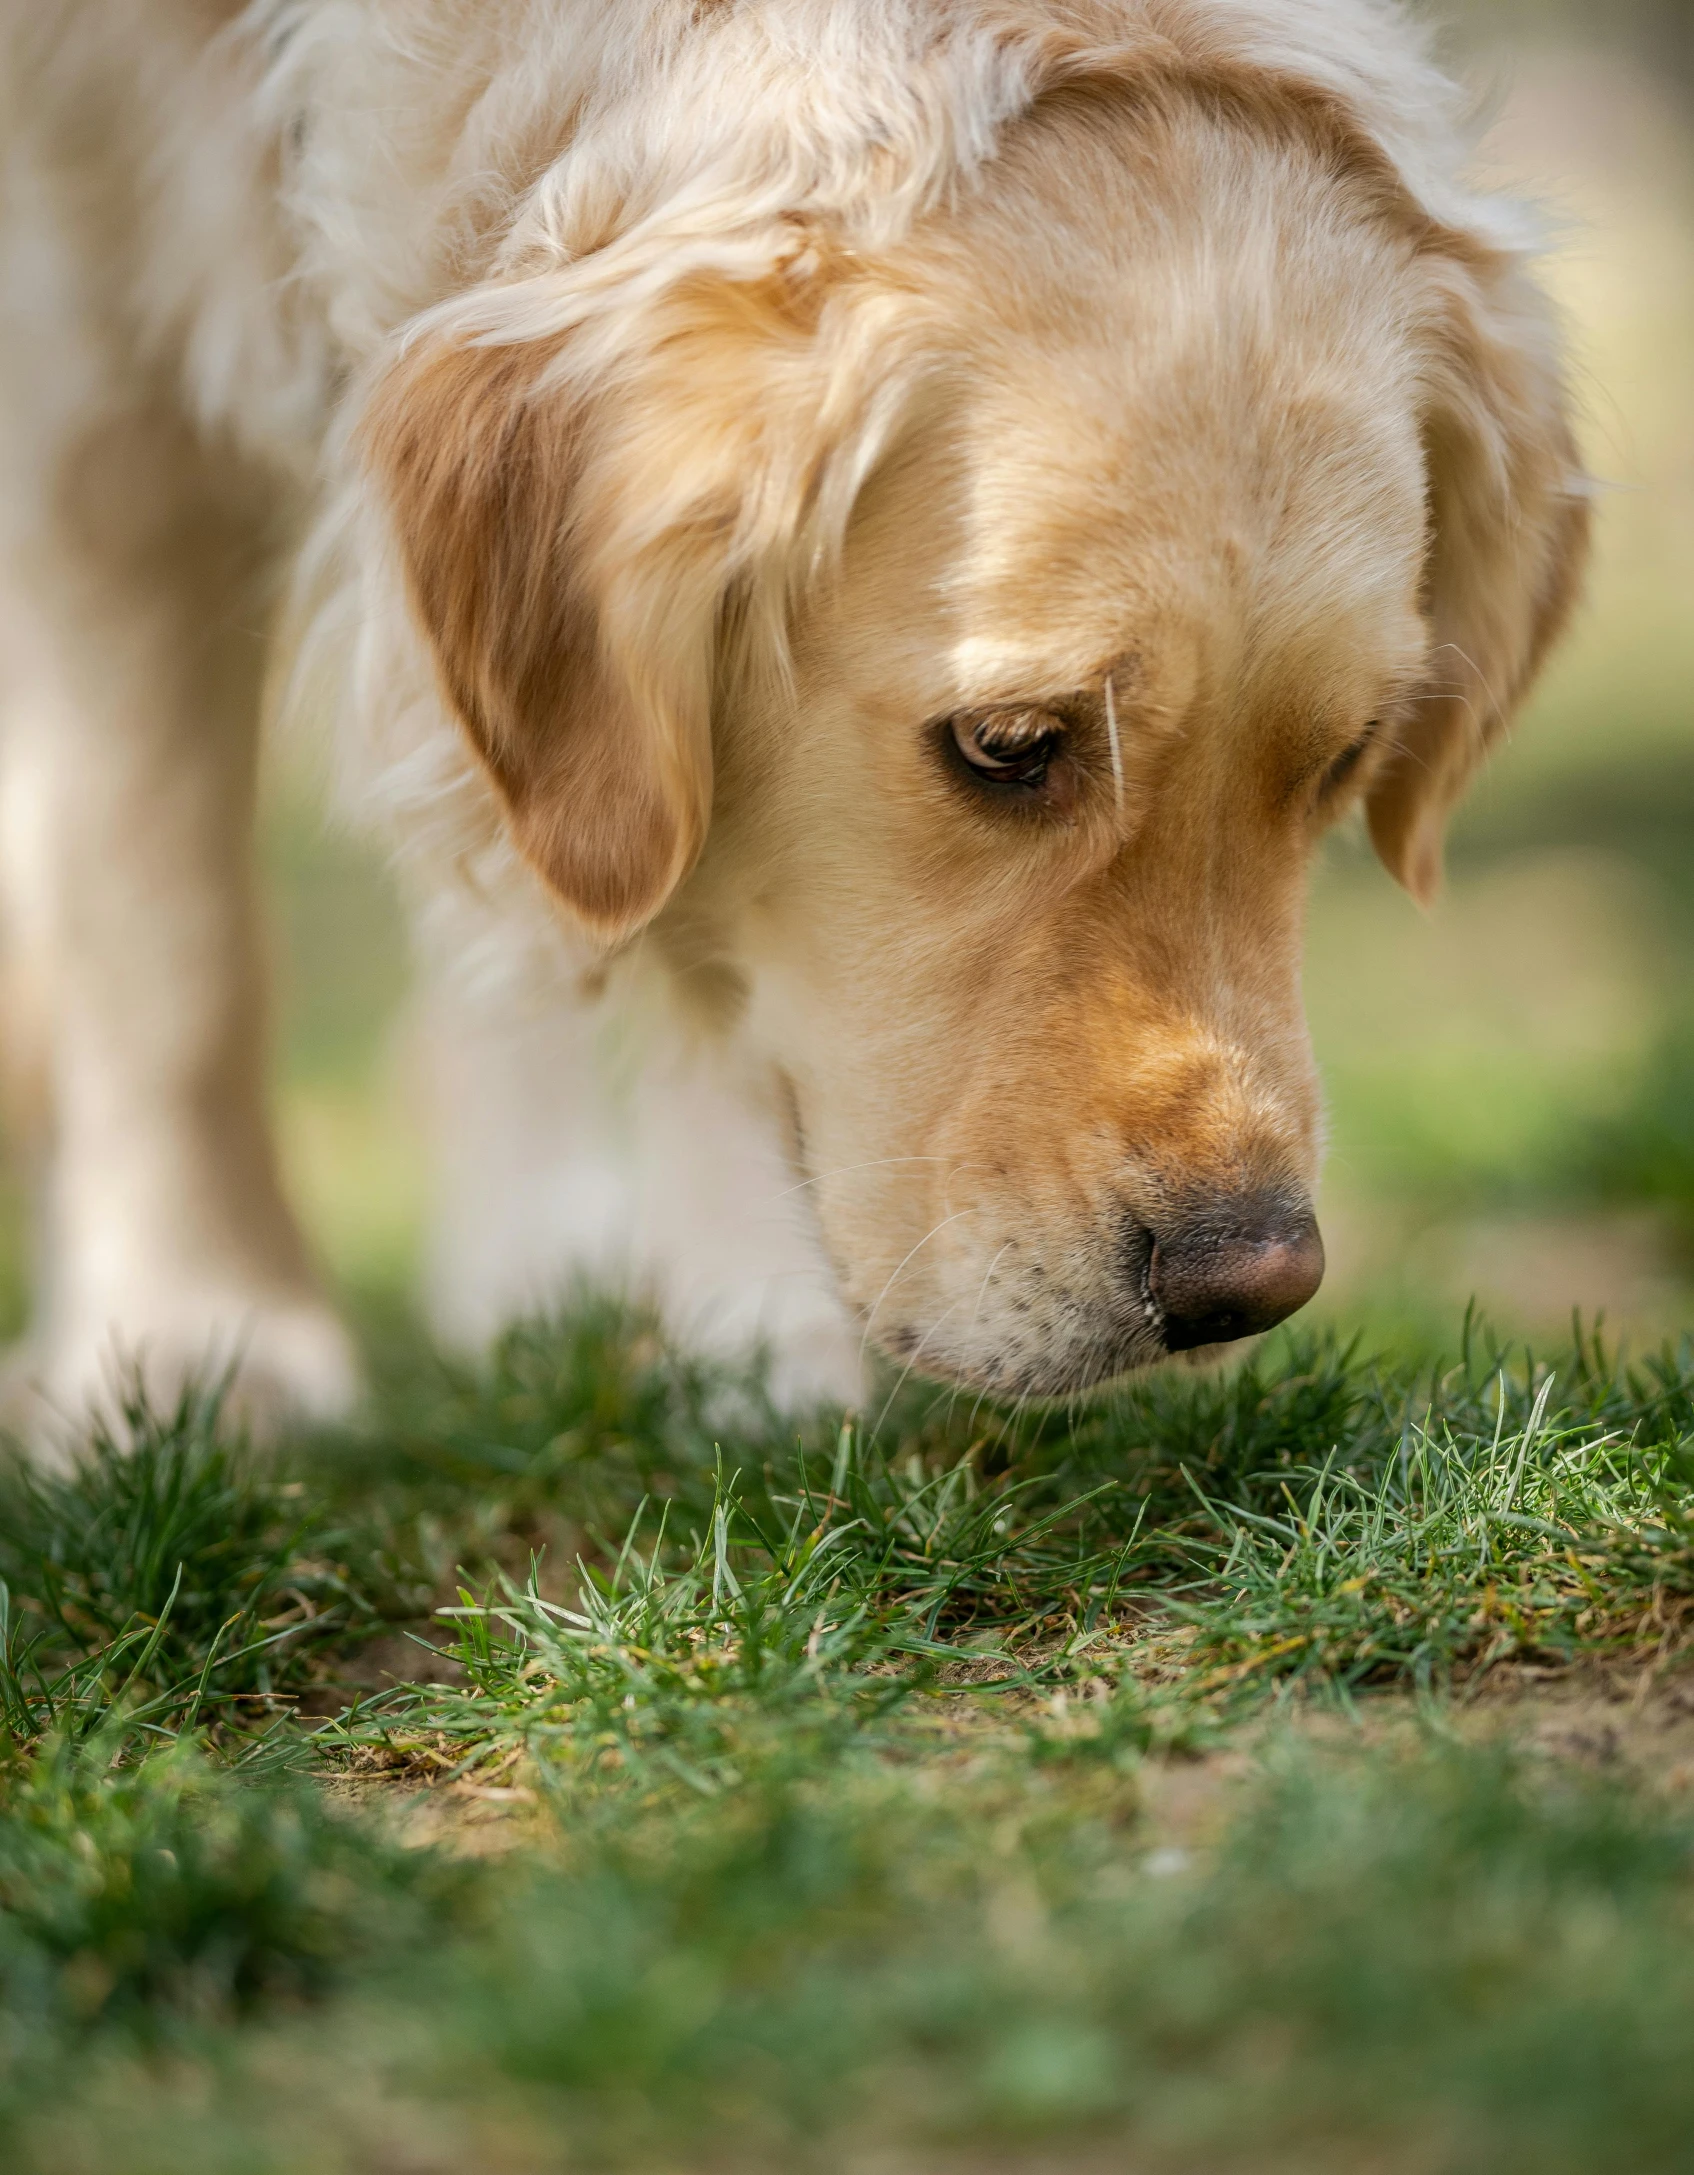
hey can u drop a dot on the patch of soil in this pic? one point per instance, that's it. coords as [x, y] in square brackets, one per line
[378, 1665]
[1641, 1724]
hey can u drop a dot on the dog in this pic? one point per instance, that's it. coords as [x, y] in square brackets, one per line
[855, 546]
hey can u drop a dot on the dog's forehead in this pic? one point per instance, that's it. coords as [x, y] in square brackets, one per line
[1052, 529]
[1179, 422]
[1193, 478]
[1218, 425]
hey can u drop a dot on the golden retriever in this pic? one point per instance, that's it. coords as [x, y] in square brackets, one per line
[856, 545]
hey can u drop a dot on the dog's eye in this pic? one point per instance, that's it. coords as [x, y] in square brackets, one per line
[1006, 747]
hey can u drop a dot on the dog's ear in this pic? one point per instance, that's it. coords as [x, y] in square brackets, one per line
[589, 517]
[486, 458]
[1509, 524]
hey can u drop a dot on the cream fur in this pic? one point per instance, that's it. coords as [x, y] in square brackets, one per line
[862, 361]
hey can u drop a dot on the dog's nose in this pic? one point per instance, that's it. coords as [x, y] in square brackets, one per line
[1234, 1270]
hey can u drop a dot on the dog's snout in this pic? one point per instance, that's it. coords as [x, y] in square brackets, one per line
[1232, 1271]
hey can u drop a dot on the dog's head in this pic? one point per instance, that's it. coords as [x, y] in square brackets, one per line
[956, 649]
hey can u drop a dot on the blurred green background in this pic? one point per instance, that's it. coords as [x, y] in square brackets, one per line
[1511, 1078]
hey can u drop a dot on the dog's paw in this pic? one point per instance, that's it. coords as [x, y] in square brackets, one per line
[809, 1352]
[817, 1363]
[278, 1365]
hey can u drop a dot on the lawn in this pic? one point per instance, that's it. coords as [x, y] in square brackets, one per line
[580, 1766]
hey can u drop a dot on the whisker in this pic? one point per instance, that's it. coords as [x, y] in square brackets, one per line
[1482, 680]
[934, 1231]
[905, 1373]
[982, 1289]
[845, 1170]
[1115, 744]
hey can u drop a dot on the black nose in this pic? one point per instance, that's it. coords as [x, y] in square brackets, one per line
[1234, 1269]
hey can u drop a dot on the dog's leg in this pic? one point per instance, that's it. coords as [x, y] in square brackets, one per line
[533, 1186]
[728, 1232]
[597, 1140]
[133, 622]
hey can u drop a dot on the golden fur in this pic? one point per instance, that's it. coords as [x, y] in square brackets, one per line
[717, 403]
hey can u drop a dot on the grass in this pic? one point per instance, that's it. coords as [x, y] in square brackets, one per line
[1425, 1956]
[762, 1795]
[167, 1578]
[145, 1895]
[1458, 1552]
[1318, 1522]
